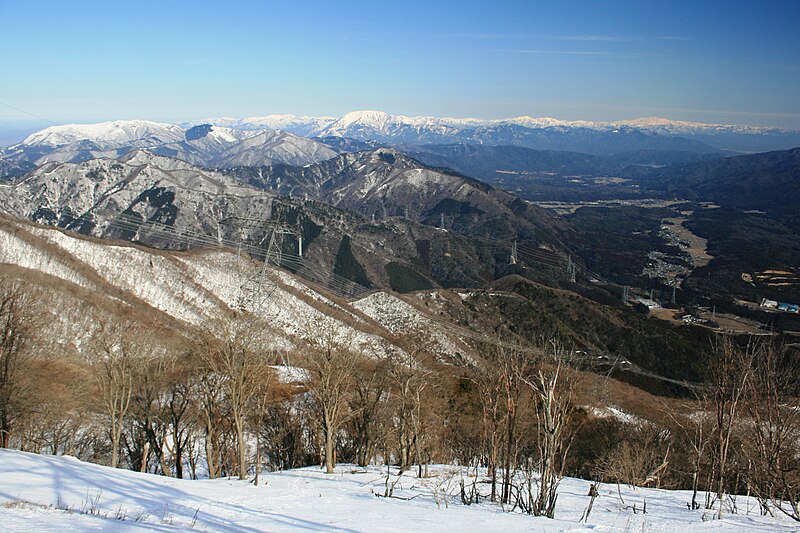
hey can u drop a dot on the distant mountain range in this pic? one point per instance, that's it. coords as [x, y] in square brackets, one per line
[549, 133]
[384, 122]
[536, 133]
[302, 140]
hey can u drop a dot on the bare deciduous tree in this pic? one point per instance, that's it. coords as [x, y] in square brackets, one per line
[410, 378]
[730, 374]
[553, 388]
[330, 363]
[209, 390]
[500, 382]
[489, 380]
[368, 405]
[693, 422]
[774, 435]
[17, 332]
[179, 410]
[119, 349]
[237, 351]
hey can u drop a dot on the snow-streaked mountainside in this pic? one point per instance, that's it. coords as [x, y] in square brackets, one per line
[168, 203]
[219, 147]
[270, 147]
[186, 289]
[57, 494]
[93, 196]
[385, 183]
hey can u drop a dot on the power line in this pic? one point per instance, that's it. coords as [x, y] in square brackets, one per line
[28, 113]
[188, 238]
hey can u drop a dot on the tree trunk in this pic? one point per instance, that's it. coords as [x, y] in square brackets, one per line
[329, 442]
[179, 457]
[145, 454]
[114, 449]
[211, 459]
[509, 453]
[242, 451]
[328, 451]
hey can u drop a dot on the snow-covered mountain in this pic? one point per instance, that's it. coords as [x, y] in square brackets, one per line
[107, 135]
[304, 126]
[601, 138]
[202, 145]
[730, 137]
[81, 142]
[682, 126]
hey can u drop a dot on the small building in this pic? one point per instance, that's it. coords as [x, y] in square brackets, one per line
[769, 304]
[651, 304]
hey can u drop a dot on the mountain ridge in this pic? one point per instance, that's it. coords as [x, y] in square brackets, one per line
[107, 139]
[204, 145]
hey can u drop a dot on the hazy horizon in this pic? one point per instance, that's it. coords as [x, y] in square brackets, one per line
[729, 62]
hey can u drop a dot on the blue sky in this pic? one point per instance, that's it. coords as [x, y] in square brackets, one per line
[727, 61]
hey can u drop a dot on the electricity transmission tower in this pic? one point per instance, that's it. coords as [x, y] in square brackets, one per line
[571, 270]
[258, 286]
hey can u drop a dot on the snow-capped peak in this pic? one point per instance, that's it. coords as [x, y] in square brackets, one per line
[107, 135]
[374, 119]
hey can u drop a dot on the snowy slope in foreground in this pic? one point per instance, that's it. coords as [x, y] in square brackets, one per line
[37, 490]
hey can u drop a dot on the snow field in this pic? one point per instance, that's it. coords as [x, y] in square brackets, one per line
[57, 494]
